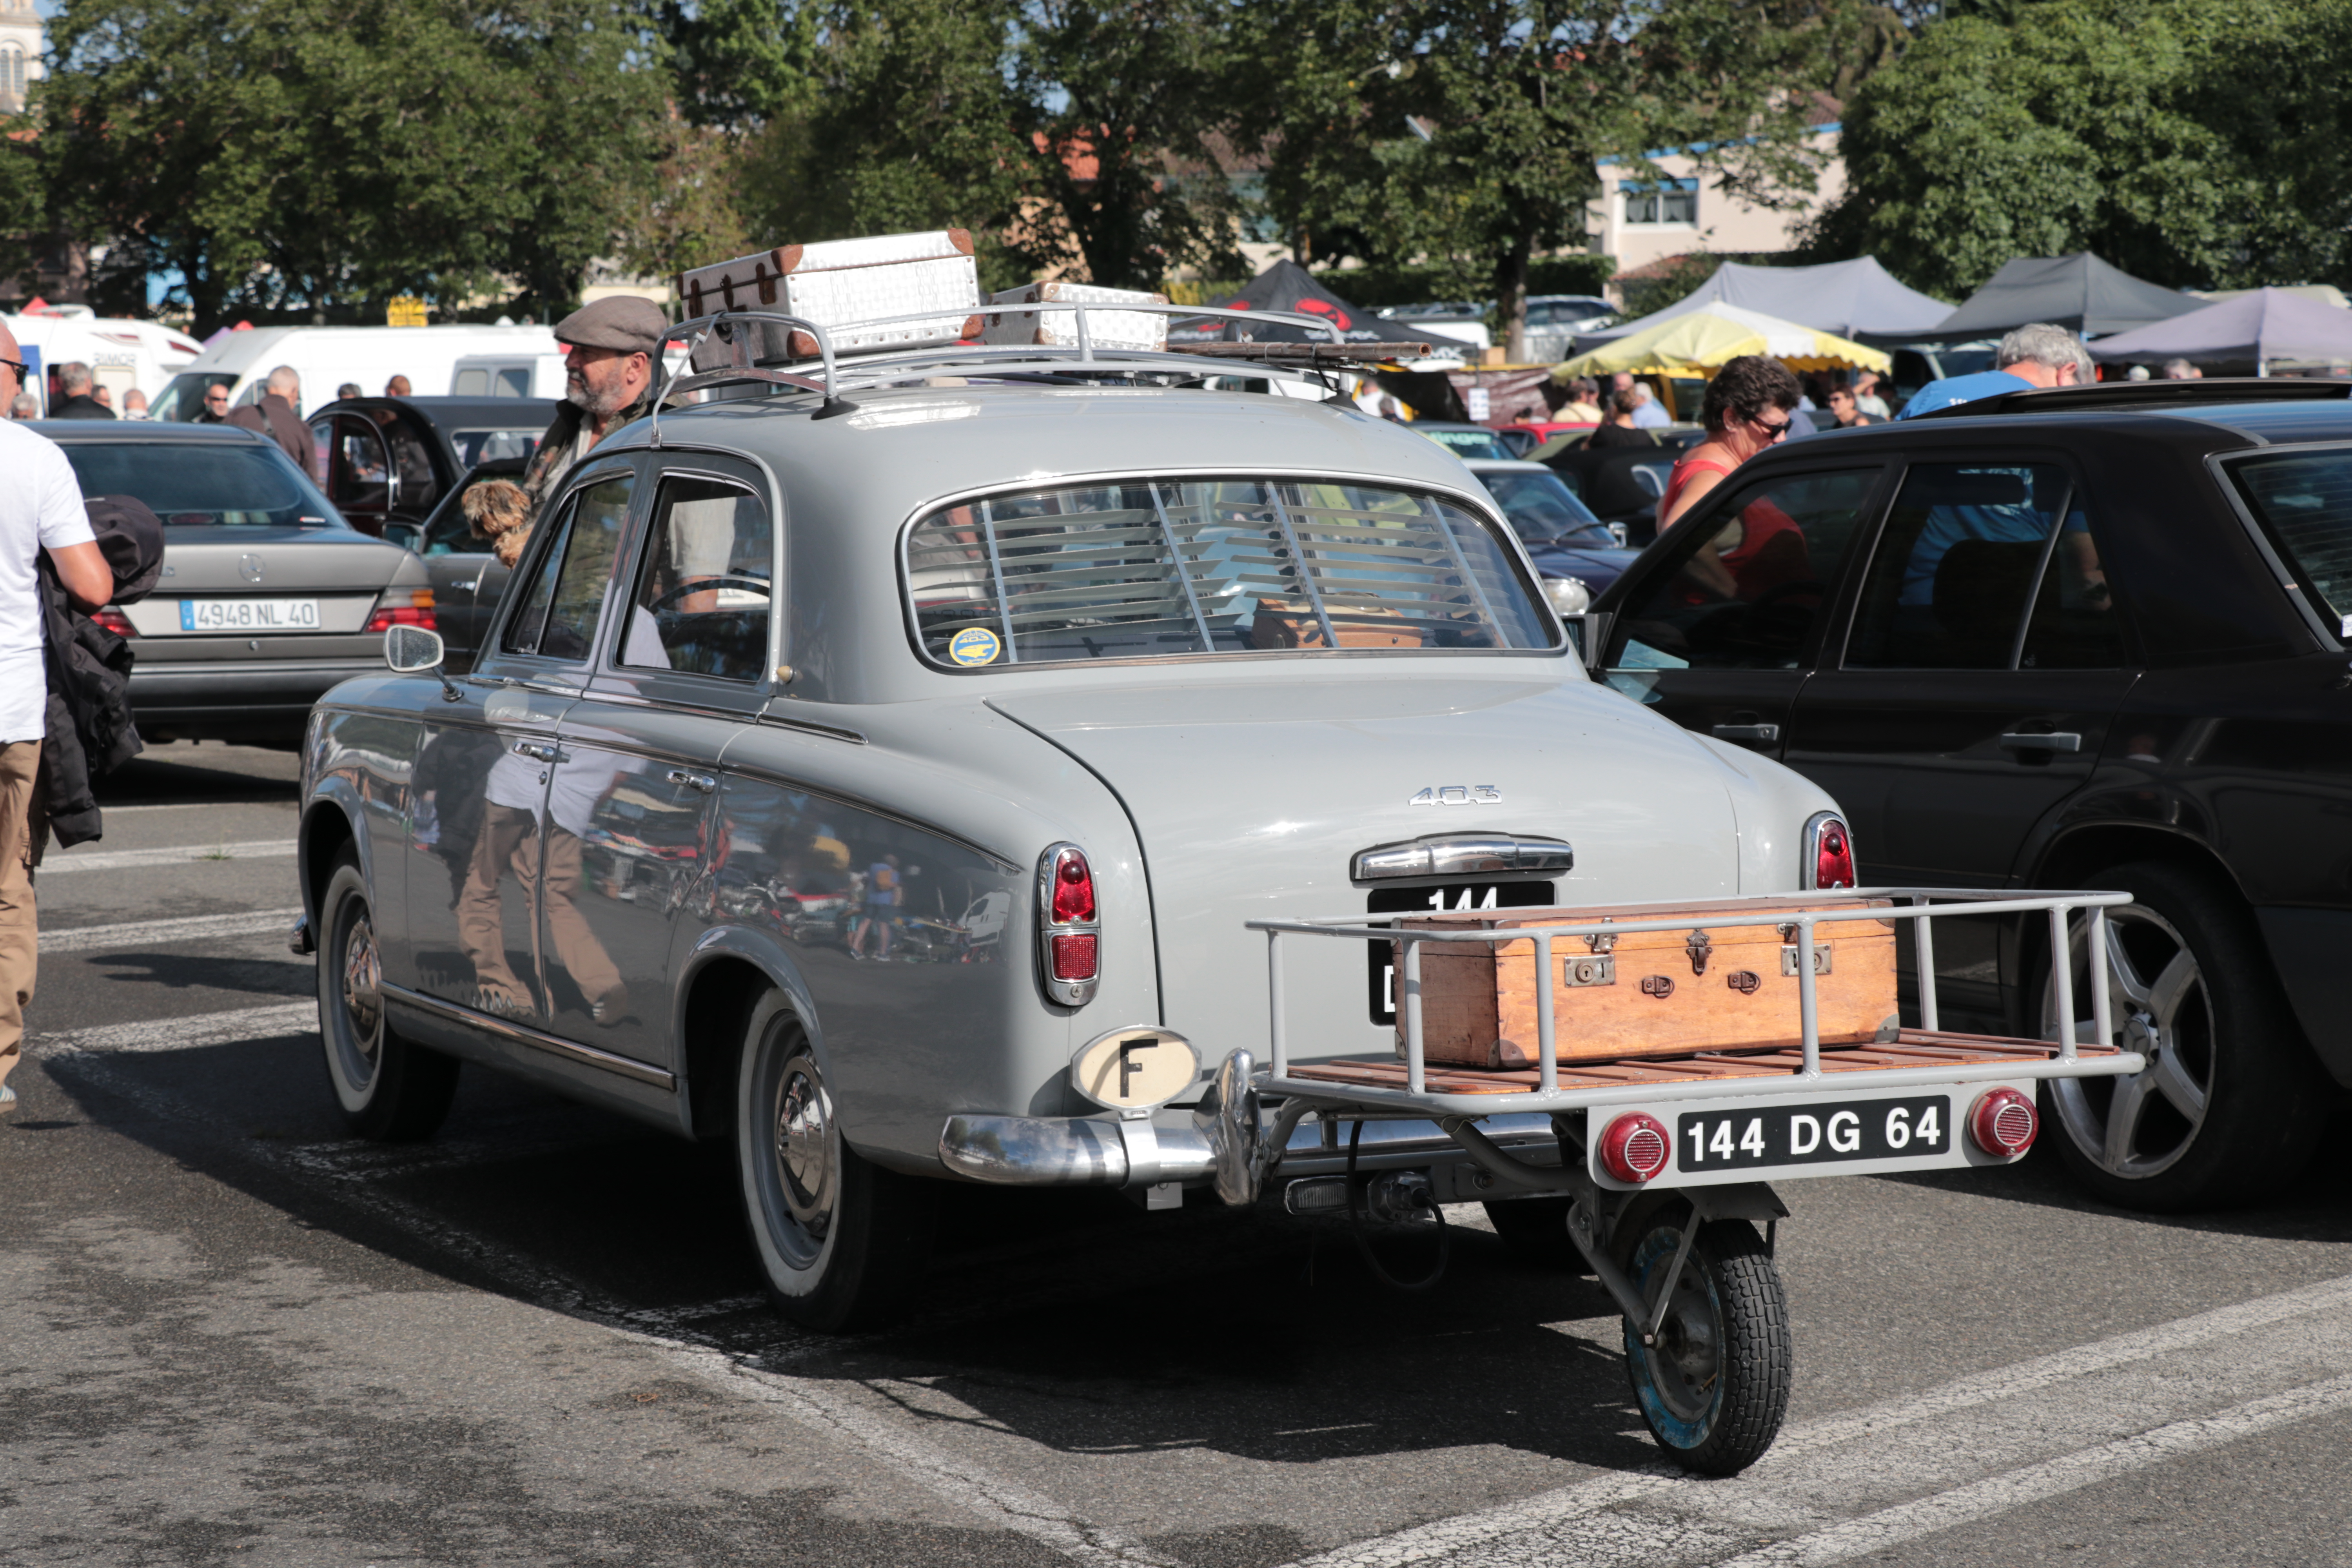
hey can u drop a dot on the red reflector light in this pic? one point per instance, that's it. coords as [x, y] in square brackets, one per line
[1074, 891]
[1834, 856]
[1073, 957]
[115, 621]
[1635, 1148]
[2003, 1123]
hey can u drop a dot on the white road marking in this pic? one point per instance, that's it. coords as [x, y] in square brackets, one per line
[176, 855]
[1971, 1449]
[190, 928]
[2052, 1477]
[825, 1406]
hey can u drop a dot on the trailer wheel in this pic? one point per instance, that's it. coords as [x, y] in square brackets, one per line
[1715, 1386]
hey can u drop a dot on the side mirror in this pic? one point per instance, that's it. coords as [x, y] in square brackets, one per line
[412, 650]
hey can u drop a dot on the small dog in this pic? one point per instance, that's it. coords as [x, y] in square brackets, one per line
[500, 512]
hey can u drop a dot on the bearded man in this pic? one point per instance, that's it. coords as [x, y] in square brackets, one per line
[609, 376]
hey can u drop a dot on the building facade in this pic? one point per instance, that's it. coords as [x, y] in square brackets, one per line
[20, 53]
[1640, 220]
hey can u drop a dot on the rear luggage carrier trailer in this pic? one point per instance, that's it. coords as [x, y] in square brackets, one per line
[1663, 1163]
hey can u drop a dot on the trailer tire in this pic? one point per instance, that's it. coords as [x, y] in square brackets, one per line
[1715, 1387]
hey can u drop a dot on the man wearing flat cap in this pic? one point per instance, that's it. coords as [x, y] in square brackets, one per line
[609, 379]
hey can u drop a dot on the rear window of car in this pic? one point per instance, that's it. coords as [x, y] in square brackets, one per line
[189, 484]
[2304, 502]
[1143, 569]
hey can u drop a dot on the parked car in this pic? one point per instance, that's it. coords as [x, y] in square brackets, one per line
[390, 461]
[1463, 440]
[1465, 321]
[467, 580]
[1620, 485]
[1578, 554]
[960, 731]
[1554, 320]
[269, 597]
[2091, 638]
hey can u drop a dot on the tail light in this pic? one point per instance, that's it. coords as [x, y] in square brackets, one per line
[115, 621]
[402, 608]
[1828, 852]
[2003, 1123]
[1070, 931]
[1635, 1148]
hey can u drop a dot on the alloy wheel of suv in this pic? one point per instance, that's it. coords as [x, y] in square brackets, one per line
[2231, 1099]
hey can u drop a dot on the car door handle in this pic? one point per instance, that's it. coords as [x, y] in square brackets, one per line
[537, 750]
[1767, 734]
[702, 782]
[468, 586]
[2060, 741]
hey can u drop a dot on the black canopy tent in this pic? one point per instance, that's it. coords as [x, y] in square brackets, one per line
[1286, 286]
[2079, 291]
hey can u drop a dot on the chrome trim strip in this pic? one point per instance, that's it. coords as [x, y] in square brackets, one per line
[1467, 854]
[523, 1033]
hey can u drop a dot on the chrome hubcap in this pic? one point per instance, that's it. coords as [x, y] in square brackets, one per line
[804, 1146]
[363, 986]
[2136, 1127]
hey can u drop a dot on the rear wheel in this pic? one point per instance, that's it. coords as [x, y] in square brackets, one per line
[390, 1089]
[839, 1239]
[2231, 1099]
[1714, 1385]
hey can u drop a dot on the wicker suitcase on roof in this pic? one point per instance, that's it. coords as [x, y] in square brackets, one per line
[834, 282]
[1650, 994]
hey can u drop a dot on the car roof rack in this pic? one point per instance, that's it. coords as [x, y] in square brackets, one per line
[839, 373]
[2155, 395]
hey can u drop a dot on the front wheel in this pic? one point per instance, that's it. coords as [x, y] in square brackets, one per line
[390, 1089]
[1714, 1386]
[839, 1239]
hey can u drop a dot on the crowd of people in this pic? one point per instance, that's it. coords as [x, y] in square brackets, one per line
[76, 393]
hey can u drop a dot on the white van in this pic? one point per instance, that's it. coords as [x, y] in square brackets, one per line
[123, 355]
[467, 361]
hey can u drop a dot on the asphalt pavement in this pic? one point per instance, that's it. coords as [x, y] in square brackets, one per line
[234, 1336]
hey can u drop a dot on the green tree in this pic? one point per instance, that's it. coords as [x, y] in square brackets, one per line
[1469, 130]
[301, 156]
[2193, 142]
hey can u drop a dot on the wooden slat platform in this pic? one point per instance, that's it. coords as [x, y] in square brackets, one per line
[1913, 1049]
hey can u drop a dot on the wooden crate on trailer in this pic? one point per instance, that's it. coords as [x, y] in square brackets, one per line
[1650, 994]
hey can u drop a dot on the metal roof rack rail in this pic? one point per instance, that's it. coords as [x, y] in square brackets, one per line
[2120, 395]
[881, 365]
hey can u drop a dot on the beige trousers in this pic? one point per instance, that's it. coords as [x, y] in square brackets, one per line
[21, 825]
[481, 927]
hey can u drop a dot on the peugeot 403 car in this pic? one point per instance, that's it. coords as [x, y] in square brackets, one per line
[1019, 765]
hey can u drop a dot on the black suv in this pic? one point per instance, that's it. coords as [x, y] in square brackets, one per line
[2088, 637]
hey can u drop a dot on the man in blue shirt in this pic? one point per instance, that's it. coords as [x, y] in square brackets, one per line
[2038, 355]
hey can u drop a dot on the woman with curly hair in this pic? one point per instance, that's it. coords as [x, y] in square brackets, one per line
[1747, 409]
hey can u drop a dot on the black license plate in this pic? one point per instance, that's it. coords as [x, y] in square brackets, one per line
[1379, 957]
[1827, 1133]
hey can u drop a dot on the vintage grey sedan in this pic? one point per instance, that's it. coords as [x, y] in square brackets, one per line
[880, 781]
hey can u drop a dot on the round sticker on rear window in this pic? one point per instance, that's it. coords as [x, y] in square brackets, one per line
[975, 645]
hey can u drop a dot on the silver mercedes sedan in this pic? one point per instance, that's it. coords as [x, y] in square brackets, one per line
[269, 597]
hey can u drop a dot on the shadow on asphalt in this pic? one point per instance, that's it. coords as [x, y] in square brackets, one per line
[184, 772]
[2313, 1204]
[1074, 1319]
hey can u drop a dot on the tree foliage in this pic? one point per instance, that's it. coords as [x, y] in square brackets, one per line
[1469, 129]
[2193, 142]
[302, 154]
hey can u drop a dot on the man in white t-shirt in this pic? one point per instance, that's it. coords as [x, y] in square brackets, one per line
[40, 508]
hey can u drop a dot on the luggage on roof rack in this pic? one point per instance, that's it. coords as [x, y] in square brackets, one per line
[878, 291]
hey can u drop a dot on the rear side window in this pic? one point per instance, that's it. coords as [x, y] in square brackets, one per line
[1986, 567]
[2304, 502]
[1149, 568]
